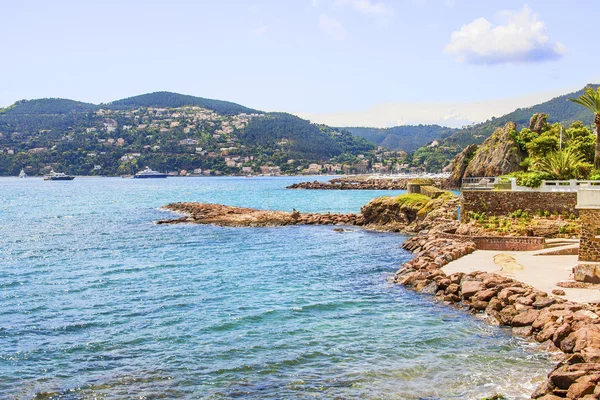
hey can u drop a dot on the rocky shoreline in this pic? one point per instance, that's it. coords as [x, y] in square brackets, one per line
[363, 183]
[217, 214]
[573, 328]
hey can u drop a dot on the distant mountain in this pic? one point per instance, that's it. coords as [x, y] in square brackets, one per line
[174, 100]
[558, 109]
[156, 99]
[407, 138]
[48, 106]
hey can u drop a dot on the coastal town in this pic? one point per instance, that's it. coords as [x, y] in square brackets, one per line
[182, 141]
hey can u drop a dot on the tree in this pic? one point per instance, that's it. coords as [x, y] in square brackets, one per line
[562, 164]
[591, 100]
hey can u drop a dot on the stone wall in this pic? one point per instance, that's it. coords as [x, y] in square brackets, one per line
[501, 243]
[589, 242]
[499, 202]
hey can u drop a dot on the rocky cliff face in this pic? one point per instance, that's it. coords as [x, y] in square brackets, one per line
[498, 155]
[459, 166]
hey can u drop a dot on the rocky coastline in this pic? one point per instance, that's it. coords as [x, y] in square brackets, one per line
[221, 215]
[363, 183]
[573, 328]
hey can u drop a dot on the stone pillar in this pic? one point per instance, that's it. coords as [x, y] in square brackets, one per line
[588, 262]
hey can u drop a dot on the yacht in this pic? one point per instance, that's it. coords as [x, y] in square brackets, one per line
[22, 174]
[58, 176]
[148, 173]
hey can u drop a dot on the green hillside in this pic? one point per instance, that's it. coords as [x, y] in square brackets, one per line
[168, 131]
[48, 106]
[174, 100]
[405, 138]
[559, 109]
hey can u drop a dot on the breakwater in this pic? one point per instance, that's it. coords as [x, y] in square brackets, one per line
[573, 328]
[217, 214]
[364, 183]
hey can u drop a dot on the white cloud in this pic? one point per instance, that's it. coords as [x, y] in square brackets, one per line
[315, 3]
[521, 39]
[367, 7]
[260, 31]
[332, 27]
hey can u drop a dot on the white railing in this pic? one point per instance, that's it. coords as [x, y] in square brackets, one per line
[571, 185]
[490, 182]
[479, 183]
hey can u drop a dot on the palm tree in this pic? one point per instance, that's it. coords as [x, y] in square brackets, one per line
[591, 100]
[561, 164]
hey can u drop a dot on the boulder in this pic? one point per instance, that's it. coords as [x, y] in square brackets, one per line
[470, 288]
[525, 318]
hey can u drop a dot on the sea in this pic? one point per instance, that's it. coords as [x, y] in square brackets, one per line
[99, 302]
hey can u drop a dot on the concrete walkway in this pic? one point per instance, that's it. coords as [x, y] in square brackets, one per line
[539, 271]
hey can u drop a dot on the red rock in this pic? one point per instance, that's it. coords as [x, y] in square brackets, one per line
[591, 355]
[452, 288]
[469, 288]
[494, 305]
[525, 318]
[547, 333]
[479, 305]
[561, 333]
[523, 331]
[543, 302]
[564, 379]
[484, 295]
[507, 314]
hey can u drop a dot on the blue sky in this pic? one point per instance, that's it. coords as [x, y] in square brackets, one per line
[342, 62]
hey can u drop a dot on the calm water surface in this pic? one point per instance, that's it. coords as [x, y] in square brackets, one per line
[98, 302]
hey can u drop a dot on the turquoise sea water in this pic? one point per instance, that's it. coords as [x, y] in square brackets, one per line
[98, 302]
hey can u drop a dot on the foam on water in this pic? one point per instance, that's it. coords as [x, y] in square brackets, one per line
[97, 301]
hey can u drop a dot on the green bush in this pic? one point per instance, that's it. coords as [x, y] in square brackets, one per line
[519, 214]
[529, 179]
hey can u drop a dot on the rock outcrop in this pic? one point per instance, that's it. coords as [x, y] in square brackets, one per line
[538, 123]
[217, 214]
[459, 166]
[498, 155]
[411, 213]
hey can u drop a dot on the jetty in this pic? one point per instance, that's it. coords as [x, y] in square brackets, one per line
[366, 182]
[221, 215]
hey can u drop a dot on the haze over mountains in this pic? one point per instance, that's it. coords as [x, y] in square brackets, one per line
[42, 133]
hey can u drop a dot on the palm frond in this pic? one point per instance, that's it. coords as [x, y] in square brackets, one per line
[590, 100]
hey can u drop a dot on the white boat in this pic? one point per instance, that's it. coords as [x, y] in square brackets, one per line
[58, 176]
[22, 174]
[149, 173]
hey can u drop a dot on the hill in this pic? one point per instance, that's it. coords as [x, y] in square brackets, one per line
[172, 132]
[48, 106]
[405, 138]
[174, 100]
[558, 109]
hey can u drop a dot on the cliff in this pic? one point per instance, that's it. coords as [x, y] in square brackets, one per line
[498, 155]
[459, 166]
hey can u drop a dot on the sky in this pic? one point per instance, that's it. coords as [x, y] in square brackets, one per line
[341, 62]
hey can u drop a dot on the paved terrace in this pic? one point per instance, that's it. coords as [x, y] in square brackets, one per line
[530, 267]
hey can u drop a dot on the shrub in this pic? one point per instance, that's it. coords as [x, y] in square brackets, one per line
[531, 179]
[413, 201]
